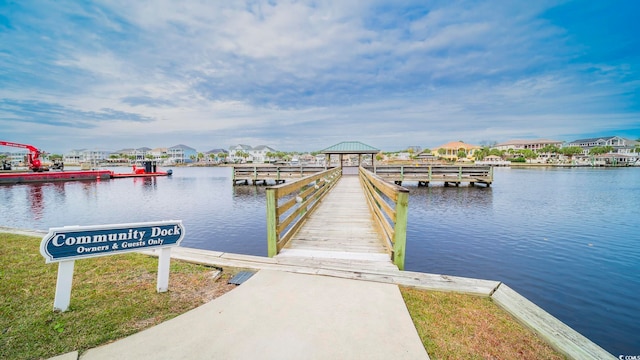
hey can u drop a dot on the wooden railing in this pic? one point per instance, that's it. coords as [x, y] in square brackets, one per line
[279, 173]
[389, 204]
[288, 206]
[433, 173]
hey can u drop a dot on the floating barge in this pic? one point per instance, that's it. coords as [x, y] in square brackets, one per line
[149, 170]
[50, 176]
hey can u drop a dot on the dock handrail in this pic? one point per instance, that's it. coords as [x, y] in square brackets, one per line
[429, 173]
[299, 198]
[277, 173]
[389, 204]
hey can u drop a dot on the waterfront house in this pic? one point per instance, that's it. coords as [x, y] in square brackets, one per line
[613, 160]
[159, 154]
[534, 145]
[181, 154]
[453, 149]
[236, 152]
[80, 156]
[620, 145]
[131, 154]
[215, 155]
[259, 153]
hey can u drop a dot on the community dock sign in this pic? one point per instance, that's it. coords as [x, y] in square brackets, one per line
[66, 244]
[77, 242]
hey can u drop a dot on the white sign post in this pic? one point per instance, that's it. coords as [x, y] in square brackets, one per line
[63, 285]
[67, 244]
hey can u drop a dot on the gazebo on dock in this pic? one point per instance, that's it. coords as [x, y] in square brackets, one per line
[350, 148]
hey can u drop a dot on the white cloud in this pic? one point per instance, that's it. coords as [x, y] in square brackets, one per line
[303, 73]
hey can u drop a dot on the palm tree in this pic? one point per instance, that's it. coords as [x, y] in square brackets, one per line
[571, 151]
[242, 154]
[529, 154]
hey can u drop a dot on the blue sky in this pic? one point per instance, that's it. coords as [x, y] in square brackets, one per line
[304, 75]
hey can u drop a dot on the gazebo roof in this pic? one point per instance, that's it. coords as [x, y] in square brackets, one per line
[350, 147]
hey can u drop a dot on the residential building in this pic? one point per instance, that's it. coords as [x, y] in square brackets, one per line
[181, 154]
[527, 144]
[16, 158]
[259, 153]
[236, 150]
[138, 154]
[80, 156]
[619, 145]
[452, 149]
[213, 155]
[160, 154]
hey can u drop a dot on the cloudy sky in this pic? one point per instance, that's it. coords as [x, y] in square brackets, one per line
[304, 75]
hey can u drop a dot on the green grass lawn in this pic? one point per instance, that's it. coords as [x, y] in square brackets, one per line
[458, 326]
[112, 297]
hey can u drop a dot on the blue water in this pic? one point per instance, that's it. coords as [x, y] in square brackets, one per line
[567, 239]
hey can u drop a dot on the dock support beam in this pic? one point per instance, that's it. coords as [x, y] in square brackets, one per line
[272, 235]
[400, 231]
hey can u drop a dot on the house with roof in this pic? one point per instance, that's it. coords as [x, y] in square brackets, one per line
[620, 145]
[159, 154]
[453, 149]
[181, 154]
[216, 155]
[133, 154]
[259, 153]
[79, 156]
[236, 151]
[534, 145]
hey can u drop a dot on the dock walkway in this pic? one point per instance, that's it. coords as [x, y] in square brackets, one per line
[340, 230]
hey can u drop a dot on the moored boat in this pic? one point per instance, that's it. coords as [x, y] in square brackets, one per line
[50, 176]
[148, 169]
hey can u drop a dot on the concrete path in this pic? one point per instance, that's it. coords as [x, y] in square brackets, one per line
[280, 315]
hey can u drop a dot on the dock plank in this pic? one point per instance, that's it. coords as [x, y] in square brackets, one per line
[341, 229]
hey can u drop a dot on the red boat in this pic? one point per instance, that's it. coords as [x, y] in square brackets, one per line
[149, 169]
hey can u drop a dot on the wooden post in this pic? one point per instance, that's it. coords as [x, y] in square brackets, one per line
[400, 230]
[272, 236]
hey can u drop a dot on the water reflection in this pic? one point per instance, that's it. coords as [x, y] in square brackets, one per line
[247, 191]
[147, 183]
[35, 198]
[448, 198]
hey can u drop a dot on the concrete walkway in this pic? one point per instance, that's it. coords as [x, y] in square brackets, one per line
[280, 315]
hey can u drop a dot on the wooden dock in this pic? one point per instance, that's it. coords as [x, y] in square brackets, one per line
[341, 230]
[447, 174]
[264, 173]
